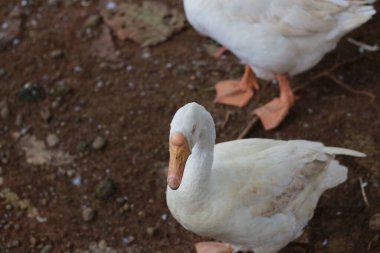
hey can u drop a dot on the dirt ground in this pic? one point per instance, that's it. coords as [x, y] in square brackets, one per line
[46, 193]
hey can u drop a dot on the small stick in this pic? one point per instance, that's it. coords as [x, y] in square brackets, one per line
[366, 47]
[326, 73]
[364, 195]
[347, 87]
[374, 240]
[248, 128]
[227, 119]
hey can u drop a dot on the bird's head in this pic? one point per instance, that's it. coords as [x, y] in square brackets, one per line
[184, 134]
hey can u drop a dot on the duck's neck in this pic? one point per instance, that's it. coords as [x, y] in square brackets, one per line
[197, 173]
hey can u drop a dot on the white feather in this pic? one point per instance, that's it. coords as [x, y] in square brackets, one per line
[256, 194]
[278, 37]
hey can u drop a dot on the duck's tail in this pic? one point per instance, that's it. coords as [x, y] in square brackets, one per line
[343, 151]
[357, 13]
[337, 173]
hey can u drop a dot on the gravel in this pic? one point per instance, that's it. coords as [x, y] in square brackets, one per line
[104, 189]
[52, 140]
[99, 143]
[4, 109]
[88, 214]
[47, 248]
[374, 222]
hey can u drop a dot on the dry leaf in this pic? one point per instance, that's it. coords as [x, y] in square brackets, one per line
[147, 24]
[103, 46]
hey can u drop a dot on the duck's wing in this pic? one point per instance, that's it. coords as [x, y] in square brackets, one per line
[271, 176]
[303, 17]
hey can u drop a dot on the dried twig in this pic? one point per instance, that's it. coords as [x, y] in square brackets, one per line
[248, 128]
[326, 73]
[373, 241]
[347, 87]
[366, 47]
[329, 74]
[364, 195]
[227, 118]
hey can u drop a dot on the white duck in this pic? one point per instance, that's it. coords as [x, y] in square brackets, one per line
[277, 39]
[255, 194]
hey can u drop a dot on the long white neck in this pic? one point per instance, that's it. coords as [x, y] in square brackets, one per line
[197, 172]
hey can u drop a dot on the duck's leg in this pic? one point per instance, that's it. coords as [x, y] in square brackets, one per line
[237, 93]
[213, 247]
[272, 114]
[220, 51]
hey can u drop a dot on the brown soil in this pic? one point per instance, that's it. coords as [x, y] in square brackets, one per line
[133, 109]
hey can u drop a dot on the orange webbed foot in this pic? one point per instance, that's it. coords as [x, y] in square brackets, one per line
[274, 112]
[213, 247]
[237, 93]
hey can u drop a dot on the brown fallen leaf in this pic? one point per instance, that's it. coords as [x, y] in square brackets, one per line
[147, 24]
[103, 46]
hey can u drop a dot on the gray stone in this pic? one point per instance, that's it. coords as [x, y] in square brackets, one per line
[99, 143]
[4, 109]
[52, 140]
[374, 222]
[88, 214]
[47, 248]
[104, 189]
[92, 21]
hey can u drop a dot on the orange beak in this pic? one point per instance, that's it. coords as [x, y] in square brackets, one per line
[179, 153]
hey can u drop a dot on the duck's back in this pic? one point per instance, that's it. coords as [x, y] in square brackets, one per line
[275, 187]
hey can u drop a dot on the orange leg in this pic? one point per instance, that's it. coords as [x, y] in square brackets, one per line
[272, 114]
[213, 247]
[220, 51]
[237, 93]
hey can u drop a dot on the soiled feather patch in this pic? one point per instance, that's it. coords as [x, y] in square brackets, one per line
[290, 191]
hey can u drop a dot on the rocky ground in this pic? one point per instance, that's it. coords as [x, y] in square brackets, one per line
[84, 121]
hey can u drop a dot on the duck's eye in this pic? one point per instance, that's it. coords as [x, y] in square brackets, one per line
[194, 128]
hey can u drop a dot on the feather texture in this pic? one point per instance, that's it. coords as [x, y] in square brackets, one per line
[278, 36]
[256, 194]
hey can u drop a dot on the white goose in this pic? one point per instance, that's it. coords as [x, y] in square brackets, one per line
[277, 39]
[254, 194]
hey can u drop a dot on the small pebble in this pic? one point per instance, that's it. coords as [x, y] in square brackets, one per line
[102, 245]
[82, 146]
[110, 5]
[88, 214]
[19, 119]
[52, 140]
[152, 231]
[45, 114]
[92, 21]
[2, 72]
[104, 189]
[98, 143]
[31, 93]
[32, 241]
[56, 53]
[126, 207]
[374, 222]
[4, 109]
[77, 181]
[47, 248]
